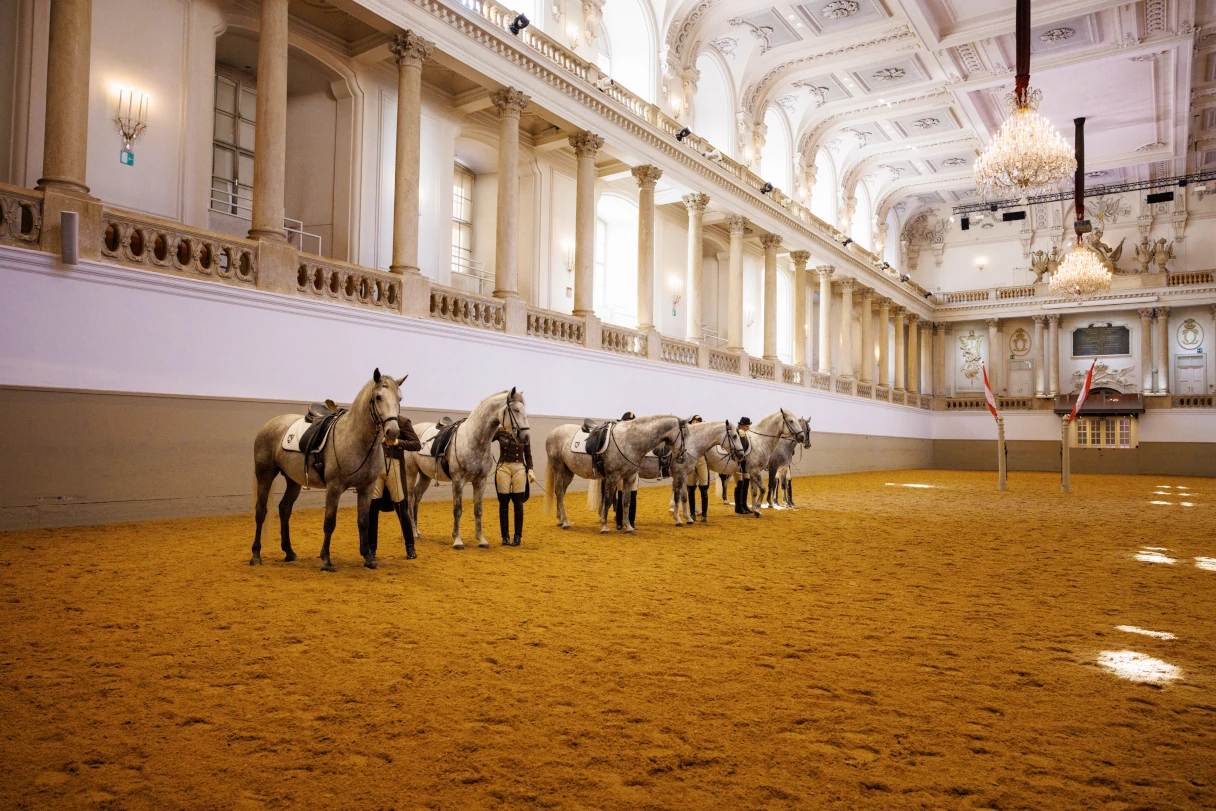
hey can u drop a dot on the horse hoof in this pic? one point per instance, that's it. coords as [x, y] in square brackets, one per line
[371, 564]
[256, 560]
[630, 530]
[605, 531]
[411, 555]
[483, 544]
[458, 545]
[564, 526]
[328, 567]
[291, 556]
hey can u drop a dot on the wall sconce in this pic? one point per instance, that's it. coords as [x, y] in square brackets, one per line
[980, 261]
[572, 37]
[749, 316]
[569, 249]
[132, 120]
[674, 282]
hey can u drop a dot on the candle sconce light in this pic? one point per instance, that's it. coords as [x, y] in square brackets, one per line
[132, 120]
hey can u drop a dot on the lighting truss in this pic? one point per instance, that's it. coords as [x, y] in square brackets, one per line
[1095, 191]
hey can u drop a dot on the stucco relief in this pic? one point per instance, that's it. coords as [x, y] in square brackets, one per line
[970, 344]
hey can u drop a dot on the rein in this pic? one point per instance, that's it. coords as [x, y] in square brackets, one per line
[371, 409]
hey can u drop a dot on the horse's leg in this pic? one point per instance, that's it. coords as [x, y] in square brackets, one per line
[562, 477]
[753, 493]
[265, 480]
[610, 487]
[628, 496]
[478, 487]
[285, 505]
[365, 503]
[331, 520]
[457, 511]
[412, 496]
[424, 484]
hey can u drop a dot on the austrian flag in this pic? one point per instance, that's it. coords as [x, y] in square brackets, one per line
[988, 395]
[1089, 379]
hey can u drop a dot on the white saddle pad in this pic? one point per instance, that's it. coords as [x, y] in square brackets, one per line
[291, 439]
[426, 435]
[579, 443]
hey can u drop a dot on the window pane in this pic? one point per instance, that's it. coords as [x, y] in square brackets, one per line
[225, 95]
[225, 128]
[1125, 432]
[222, 164]
[1110, 433]
[247, 135]
[249, 103]
[1082, 432]
[245, 169]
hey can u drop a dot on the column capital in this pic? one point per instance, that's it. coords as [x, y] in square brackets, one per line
[824, 272]
[912, 318]
[586, 144]
[1053, 319]
[846, 284]
[1041, 320]
[948, 328]
[696, 202]
[867, 294]
[410, 50]
[884, 303]
[898, 310]
[800, 258]
[1163, 310]
[1146, 313]
[737, 226]
[993, 322]
[510, 102]
[646, 176]
[771, 242]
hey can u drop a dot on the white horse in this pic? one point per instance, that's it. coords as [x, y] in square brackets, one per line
[469, 458]
[774, 437]
[628, 445]
[703, 437]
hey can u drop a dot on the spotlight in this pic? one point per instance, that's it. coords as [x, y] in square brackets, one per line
[886, 265]
[767, 188]
[604, 82]
[905, 278]
[1182, 183]
[682, 134]
[965, 224]
[714, 155]
[992, 207]
[847, 241]
[519, 24]
[927, 294]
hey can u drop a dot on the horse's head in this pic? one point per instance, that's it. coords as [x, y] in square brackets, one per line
[806, 432]
[514, 417]
[731, 444]
[797, 428]
[385, 404]
[677, 438]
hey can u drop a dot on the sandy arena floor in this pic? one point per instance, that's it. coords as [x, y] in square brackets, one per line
[889, 646]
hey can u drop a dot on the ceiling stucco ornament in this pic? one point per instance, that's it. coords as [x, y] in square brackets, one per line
[890, 74]
[725, 45]
[1096, 174]
[761, 32]
[1153, 147]
[789, 103]
[926, 123]
[818, 92]
[841, 9]
[954, 162]
[1057, 35]
[680, 34]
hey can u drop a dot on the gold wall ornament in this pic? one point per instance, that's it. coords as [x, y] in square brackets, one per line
[1081, 275]
[1190, 334]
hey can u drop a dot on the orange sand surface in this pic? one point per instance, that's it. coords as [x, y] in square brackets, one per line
[881, 647]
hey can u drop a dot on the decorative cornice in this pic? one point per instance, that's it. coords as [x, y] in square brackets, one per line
[809, 142]
[679, 35]
[410, 50]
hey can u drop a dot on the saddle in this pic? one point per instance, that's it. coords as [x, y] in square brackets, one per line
[443, 441]
[321, 418]
[597, 442]
[319, 411]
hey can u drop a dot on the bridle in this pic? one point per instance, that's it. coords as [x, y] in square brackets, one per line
[733, 454]
[380, 423]
[796, 436]
[516, 429]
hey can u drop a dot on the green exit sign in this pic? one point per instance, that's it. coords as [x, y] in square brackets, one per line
[127, 157]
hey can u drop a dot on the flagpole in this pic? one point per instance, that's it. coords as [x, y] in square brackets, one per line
[1002, 468]
[1064, 462]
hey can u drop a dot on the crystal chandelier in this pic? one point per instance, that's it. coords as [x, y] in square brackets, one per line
[1081, 275]
[1027, 156]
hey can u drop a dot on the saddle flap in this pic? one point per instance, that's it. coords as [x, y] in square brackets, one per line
[594, 441]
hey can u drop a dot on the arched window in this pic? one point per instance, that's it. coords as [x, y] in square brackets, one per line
[823, 195]
[777, 158]
[616, 261]
[862, 231]
[713, 108]
[630, 47]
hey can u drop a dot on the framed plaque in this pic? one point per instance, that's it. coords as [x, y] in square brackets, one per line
[1099, 341]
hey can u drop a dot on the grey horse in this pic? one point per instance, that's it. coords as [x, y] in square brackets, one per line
[354, 457]
[778, 433]
[627, 447]
[469, 458]
[781, 458]
[703, 437]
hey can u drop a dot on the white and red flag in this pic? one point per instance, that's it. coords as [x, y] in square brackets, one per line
[988, 395]
[1089, 379]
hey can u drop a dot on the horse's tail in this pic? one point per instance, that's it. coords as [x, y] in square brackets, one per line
[549, 488]
[595, 495]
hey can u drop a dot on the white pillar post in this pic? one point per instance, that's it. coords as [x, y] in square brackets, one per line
[66, 137]
[866, 373]
[585, 144]
[510, 103]
[695, 203]
[994, 354]
[901, 354]
[737, 226]
[771, 243]
[1163, 350]
[270, 137]
[1053, 359]
[800, 258]
[825, 317]
[913, 355]
[646, 176]
[846, 327]
[1146, 349]
[1040, 358]
[884, 342]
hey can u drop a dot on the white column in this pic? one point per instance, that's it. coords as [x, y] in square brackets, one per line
[737, 226]
[994, 354]
[1146, 349]
[901, 355]
[695, 203]
[585, 145]
[646, 176]
[913, 355]
[771, 243]
[66, 138]
[884, 342]
[510, 103]
[951, 356]
[866, 373]
[846, 327]
[825, 317]
[1053, 355]
[939, 360]
[800, 258]
[1040, 358]
[1163, 350]
[270, 137]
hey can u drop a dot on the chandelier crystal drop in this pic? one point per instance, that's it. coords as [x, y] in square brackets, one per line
[1081, 275]
[1027, 157]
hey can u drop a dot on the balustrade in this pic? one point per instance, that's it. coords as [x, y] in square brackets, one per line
[1009, 293]
[318, 277]
[1191, 277]
[20, 216]
[821, 381]
[966, 404]
[1015, 403]
[761, 369]
[844, 385]
[469, 309]
[624, 341]
[1194, 401]
[964, 297]
[682, 353]
[154, 244]
[725, 362]
[899, 397]
[865, 389]
[552, 326]
[792, 375]
[882, 393]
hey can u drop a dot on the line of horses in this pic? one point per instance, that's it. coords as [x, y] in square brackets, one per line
[353, 458]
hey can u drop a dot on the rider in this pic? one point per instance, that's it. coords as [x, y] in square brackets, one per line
[512, 479]
[619, 500]
[698, 479]
[388, 493]
[743, 482]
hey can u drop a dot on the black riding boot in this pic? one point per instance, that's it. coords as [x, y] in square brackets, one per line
[407, 529]
[704, 488]
[517, 499]
[617, 508]
[504, 502]
[741, 497]
[633, 510]
[373, 528]
[692, 501]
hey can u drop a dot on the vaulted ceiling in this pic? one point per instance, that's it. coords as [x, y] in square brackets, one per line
[901, 93]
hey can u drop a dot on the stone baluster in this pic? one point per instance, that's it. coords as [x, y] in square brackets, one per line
[913, 354]
[800, 259]
[586, 145]
[646, 176]
[510, 103]
[1053, 355]
[866, 373]
[825, 317]
[695, 203]
[737, 226]
[884, 342]
[1163, 350]
[410, 51]
[1040, 358]
[901, 355]
[1146, 349]
[846, 327]
[771, 243]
